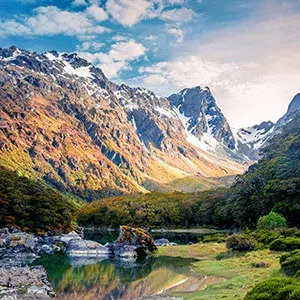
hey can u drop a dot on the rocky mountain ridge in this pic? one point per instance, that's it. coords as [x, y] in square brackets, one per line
[63, 121]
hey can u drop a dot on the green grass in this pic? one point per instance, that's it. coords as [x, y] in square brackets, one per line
[237, 273]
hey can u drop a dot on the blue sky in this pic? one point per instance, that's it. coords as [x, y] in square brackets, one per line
[248, 52]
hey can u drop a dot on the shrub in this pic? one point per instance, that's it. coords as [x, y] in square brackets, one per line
[271, 221]
[285, 244]
[290, 262]
[275, 289]
[216, 238]
[240, 242]
[265, 236]
[294, 232]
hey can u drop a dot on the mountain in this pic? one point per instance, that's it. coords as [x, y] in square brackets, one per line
[63, 121]
[293, 109]
[250, 140]
[202, 118]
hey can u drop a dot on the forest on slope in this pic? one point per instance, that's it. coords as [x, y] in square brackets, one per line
[32, 206]
[272, 184]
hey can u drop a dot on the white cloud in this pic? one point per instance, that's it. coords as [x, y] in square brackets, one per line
[178, 15]
[172, 2]
[119, 38]
[178, 33]
[12, 27]
[79, 3]
[90, 45]
[127, 12]
[251, 67]
[50, 20]
[151, 37]
[97, 13]
[118, 58]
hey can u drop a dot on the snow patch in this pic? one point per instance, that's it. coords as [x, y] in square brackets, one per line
[163, 111]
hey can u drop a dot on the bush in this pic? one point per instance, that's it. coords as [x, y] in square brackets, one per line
[240, 242]
[285, 244]
[215, 238]
[271, 221]
[293, 232]
[275, 289]
[265, 236]
[290, 262]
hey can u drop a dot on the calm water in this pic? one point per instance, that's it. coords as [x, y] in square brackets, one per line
[180, 238]
[115, 280]
[109, 279]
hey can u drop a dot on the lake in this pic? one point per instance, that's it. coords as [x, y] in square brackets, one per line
[113, 279]
[180, 237]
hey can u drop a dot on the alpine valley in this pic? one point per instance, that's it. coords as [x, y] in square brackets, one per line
[64, 122]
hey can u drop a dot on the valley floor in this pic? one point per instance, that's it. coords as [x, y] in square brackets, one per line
[231, 276]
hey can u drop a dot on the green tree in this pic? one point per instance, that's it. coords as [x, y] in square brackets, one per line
[271, 221]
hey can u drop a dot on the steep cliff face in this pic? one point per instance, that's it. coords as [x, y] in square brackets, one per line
[250, 140]
[202, 118]
[63, 121]
[293, 109]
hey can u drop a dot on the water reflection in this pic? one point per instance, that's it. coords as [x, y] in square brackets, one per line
[116, 279]
[180, 238]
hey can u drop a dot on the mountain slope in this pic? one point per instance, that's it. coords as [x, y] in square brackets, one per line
[250, 140]
[202, 118]
[63, 121]
[293, 109]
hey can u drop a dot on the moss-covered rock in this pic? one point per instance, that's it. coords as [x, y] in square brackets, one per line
[133, 243]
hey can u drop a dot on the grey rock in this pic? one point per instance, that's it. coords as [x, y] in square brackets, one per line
[25, 283]
[21, 239]
[86, 248]
[46, 250]
[66, 238]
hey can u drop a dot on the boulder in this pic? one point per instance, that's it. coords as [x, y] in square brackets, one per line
[18, 239]
[46, 250]
[133, 243]
[66, 238]
[86, 248]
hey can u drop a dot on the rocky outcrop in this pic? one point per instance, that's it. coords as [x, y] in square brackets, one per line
[133, 243]
[25, 283]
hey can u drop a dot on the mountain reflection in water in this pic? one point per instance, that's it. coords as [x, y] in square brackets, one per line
[118, 280]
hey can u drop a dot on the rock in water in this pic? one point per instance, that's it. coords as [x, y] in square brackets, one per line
[133, 243]
[66, 238]
[85, 248]
[25, 283]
